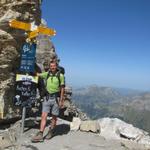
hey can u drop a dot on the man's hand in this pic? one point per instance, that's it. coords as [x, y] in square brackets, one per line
[38, 74]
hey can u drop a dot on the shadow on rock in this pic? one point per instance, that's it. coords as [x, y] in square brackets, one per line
[62, 129]
[31, 124]
[30, 147]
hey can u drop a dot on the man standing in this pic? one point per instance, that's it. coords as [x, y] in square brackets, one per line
[55, 89]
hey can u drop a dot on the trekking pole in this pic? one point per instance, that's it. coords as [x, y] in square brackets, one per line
[23, 119]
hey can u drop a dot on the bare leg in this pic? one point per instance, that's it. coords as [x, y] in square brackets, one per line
[51, 131]
[53, 122]
[43, 121]
[39, 136]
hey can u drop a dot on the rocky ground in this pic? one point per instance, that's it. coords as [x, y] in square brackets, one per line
[65, 139]
[85, 141]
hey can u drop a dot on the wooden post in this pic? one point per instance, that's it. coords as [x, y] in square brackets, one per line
[23, 119]
[1, 112]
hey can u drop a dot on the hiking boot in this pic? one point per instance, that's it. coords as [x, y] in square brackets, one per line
[50, 134]
[38, 137]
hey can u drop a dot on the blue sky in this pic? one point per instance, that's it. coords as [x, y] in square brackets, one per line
[103, 42]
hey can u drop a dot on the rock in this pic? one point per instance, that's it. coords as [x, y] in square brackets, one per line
[90, 125]
[45, 50]
[9, 15]
[113, 128]
[7, 139]
[70, 109]
[75, 124]
[11, 41]
[69, 140]
[131, 145]
[144, 140]
[130, 132]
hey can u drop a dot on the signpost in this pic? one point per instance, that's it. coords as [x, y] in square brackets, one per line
[20, 25]
[26, 85]
[32, 29]
[28, 57]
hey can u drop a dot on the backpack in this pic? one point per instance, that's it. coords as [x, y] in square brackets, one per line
[57, 75]
[61, 69]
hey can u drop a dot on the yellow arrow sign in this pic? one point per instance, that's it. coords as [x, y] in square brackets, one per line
[47, 31]
[42, 30]
[34, 33]
[20, 25]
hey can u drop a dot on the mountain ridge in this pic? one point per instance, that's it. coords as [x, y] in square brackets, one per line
[108, 102]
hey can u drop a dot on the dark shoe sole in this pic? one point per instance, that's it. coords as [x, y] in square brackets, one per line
[37, 141]
[48, 138]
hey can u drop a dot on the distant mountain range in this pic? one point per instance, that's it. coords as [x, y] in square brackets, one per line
[132, 106]
[128, 92]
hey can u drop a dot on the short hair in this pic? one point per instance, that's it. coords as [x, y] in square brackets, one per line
[55, 59]
[51, 62]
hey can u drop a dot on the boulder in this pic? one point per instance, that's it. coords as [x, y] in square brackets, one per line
[113, 128]
[7, 139]
[90, 125]
[75, 124]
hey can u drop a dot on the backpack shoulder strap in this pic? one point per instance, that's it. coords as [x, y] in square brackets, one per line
[61, 69]
[48, 75]
[58, 76]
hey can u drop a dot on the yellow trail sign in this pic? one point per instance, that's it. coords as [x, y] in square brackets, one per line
[46, 31]
[28, 27]
[33, 34]
[42, 30]
[20, 25]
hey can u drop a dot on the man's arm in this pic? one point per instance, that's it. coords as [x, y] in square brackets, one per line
[42, 75]
[62, 90]
[61, 100]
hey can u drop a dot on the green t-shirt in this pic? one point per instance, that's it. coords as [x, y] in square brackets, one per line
[53, 83]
